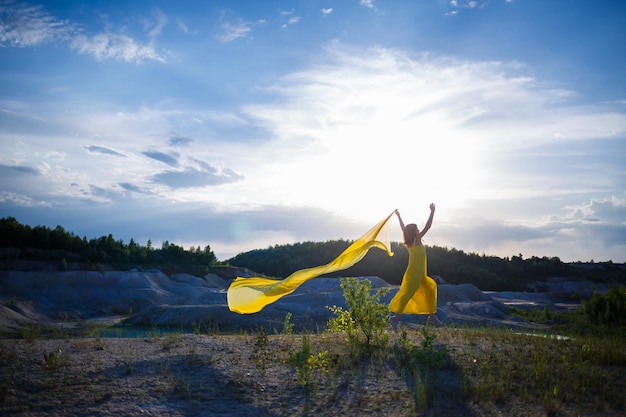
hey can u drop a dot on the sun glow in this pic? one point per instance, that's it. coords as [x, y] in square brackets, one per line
[363, 136]
[373, 164]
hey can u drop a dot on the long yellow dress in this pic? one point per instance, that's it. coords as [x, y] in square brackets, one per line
[418, 291]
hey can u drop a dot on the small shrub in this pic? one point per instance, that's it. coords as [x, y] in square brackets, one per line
[365, 320]
[196, 327]
[426, 355]
[262, 354]
[182, 387]
[171, 340]
[306, 363]
[287, 324]
[52, 360]
[30, 332]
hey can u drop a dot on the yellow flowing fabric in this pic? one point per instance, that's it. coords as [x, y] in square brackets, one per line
[418, 291]
[250, 295]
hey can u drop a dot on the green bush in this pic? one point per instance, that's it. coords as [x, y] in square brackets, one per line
[607, 309]
[365, 320]
[306, 363]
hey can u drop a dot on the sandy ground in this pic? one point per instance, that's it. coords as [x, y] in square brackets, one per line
[218, 375]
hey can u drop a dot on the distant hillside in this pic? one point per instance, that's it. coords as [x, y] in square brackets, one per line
[489, 273]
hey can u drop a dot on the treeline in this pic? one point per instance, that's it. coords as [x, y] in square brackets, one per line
[489, 273]
[44, 243]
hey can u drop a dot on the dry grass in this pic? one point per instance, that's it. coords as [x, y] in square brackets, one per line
[486, 372]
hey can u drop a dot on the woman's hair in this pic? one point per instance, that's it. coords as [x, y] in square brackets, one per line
[410, 232]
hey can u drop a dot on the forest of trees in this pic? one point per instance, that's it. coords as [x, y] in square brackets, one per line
[454, 266]
[58, 244]
[489, 273]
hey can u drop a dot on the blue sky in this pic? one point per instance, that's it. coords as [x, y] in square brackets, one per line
[244, 124]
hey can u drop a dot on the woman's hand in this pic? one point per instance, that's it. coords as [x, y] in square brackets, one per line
[432, 207]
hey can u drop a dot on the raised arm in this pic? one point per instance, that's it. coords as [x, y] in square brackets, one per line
[429, 222]
[400, 218]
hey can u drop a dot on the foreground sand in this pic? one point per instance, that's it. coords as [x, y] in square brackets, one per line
[223, 375]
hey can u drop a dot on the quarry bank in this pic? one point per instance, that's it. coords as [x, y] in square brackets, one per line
[73, 299]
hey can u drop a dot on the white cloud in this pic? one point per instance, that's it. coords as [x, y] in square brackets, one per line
[291, 20]
[232, 30]
[97, 149]
[197, 178]
[367, 3]
[327, 11]
[176, 139]
[171, 160]
[468, 4]
[609, 210]
[21, 200]
[160, 21]
[28, 26]
[106, 45]
[25, 26]
[181, 25]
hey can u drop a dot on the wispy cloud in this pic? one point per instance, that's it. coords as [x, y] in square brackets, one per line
[118, 47]
[176, 139]
[193, 178]
[181, 25]
[103, 150]
[22, 25]
[609, 210]
[156, 25]
[469, 4]
[134, 188]
[102, 194]
[162, 157]
[291, 19]
[458, 5]
[231, 30]
[21, 200]
[6, 170]
[327, 11]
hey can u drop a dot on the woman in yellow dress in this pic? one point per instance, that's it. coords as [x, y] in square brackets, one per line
[418, 291]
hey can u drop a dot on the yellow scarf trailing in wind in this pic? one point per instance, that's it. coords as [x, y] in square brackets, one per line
[250, 295]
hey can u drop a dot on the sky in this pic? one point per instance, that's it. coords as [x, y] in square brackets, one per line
[246, 124]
